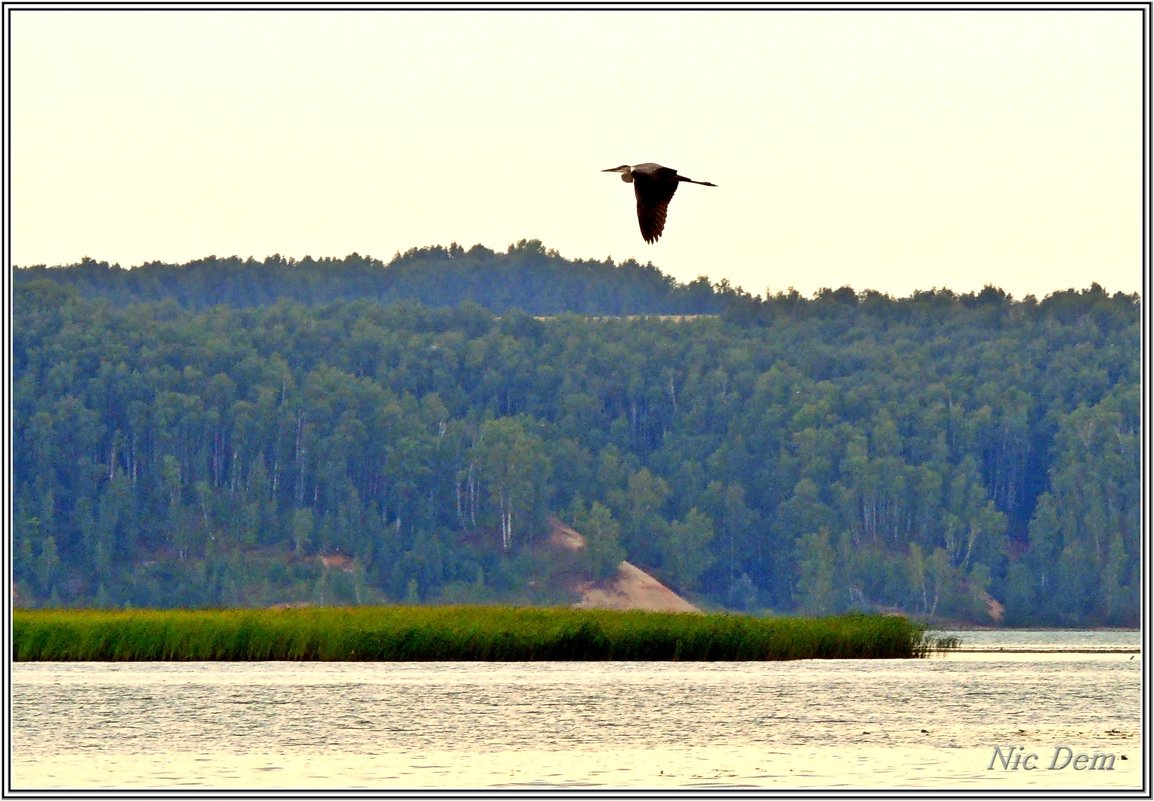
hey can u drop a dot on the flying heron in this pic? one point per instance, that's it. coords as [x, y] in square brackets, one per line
[654, 186]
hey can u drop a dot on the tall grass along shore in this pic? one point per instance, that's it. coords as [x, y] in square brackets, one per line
[449, 633]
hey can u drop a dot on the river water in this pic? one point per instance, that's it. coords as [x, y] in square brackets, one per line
[1043, 710]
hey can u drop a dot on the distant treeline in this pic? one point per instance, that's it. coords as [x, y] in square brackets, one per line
[528, 277]
[201, 435]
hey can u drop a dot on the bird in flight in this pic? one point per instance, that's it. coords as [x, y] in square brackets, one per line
[654, 186]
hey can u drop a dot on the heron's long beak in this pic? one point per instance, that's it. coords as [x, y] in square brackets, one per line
[616, 169]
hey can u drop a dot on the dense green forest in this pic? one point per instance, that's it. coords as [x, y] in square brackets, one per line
[202, 434]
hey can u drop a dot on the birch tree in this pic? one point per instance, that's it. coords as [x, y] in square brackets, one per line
[513, 463]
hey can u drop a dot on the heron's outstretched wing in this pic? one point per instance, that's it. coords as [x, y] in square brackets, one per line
[653, 197]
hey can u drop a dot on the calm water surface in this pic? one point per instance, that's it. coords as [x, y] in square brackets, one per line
[970, 720]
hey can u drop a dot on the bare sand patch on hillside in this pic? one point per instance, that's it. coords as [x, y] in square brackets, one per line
[631, 588]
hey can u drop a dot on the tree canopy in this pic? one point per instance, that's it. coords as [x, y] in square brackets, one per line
[202, 434]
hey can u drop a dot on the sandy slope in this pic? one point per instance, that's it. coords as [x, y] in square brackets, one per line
[631, 588]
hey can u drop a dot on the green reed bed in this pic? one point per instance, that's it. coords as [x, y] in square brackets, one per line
[475, 633]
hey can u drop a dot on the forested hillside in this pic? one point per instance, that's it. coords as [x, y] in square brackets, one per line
[204, 434]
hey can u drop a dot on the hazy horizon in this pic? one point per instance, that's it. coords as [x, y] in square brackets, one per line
[387, 262]
[894, 150]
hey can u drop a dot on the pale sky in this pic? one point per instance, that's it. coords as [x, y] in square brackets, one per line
[890, 150]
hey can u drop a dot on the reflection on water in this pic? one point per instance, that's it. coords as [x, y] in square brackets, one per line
[955, 720]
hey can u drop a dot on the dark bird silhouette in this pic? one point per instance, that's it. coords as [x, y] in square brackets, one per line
[654, 186]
